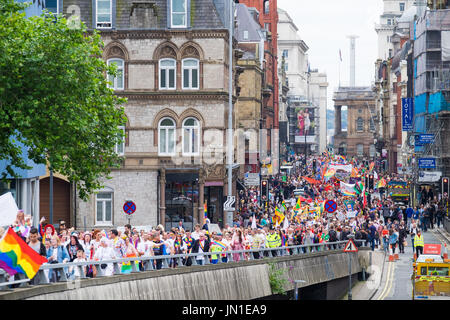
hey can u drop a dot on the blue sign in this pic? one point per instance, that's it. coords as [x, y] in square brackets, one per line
[407, 114]
[129, 207]
[423, 139]
[427, 163]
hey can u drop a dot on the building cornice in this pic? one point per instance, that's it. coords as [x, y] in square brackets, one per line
[165, 34]
[175, 95]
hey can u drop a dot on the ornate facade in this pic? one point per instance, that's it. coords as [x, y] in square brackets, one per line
[176, 81]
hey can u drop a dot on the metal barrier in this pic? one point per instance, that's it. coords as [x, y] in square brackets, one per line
[148, 263]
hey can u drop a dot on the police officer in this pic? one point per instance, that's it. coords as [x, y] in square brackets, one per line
[273, 240]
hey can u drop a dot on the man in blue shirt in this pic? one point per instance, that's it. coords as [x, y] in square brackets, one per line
[409, 216]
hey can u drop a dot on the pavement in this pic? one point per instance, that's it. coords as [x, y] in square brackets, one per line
[392, 280]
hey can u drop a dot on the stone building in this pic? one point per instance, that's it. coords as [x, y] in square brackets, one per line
[249, 120]
[358, 140]
[268, 20]
[172, 60]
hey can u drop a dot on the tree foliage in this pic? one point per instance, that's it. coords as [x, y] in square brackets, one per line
[54, 98]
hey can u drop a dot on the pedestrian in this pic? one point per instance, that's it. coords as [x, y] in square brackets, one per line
[418, 243]
[393, 238]
[402, 235]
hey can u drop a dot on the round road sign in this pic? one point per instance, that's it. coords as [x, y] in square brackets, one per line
[330, 206]
[129, 207]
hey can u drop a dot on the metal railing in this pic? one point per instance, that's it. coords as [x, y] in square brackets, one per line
[149, 263]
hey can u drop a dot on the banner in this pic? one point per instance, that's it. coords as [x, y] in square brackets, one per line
[348, 189]
[407, 114]
[8, 210]
[344, 167]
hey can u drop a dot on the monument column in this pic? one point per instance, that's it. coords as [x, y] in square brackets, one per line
[337, 119]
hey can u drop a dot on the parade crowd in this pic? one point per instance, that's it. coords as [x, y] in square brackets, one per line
[292, 214]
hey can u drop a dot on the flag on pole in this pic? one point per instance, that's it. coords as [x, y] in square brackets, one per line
[206, 212]
[18, 257]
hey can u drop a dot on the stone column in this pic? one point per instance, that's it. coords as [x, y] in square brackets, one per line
[201, 196]
[337, 119]
[162, 202]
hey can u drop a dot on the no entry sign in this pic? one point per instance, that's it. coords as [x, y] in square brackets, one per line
[129, 208]
[330, 206]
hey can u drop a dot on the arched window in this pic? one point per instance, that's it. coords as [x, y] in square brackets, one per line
[190, 73]
[266, 7]
[360, 125]
[167, 74]
[166, 137]
[117, 82]
[191, 137]
[359, 150]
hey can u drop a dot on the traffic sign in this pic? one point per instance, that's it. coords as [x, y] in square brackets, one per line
[228, 205]
[432, 248]
[330, 206]
[350, 246]
[129, 207]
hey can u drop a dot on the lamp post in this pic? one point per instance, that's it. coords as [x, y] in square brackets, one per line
[296, 288]
[230, 108]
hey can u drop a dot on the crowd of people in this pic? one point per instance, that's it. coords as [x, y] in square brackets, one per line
[292, 214]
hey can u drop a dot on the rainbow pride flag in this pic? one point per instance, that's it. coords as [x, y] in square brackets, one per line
[17, 257]
[220, 244]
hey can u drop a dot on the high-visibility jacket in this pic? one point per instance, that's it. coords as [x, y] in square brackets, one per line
[215, 248]
[273, 240]
[418, 241]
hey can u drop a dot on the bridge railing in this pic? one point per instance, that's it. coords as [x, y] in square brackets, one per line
[64, 272]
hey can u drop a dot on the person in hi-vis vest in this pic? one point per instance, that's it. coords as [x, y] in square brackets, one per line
[418, 242]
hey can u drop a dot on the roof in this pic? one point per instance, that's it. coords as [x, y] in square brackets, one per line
[202, 14]
[247, 24]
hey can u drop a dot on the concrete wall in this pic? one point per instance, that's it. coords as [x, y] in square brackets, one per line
[239, 281]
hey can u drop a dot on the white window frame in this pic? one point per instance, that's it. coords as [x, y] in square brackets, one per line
[104, 222]
[123, 143]
[165, 69]
[191, 130]
[110, 16]
[183, 67]
[285, 53]
[119, 69]
[57, 7]
[172, 13]
[166, 132]
[402, 4]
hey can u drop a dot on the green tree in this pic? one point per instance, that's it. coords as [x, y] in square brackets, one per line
[54, 98]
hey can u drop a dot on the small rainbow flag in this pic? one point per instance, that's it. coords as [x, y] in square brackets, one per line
[220, 244]
[206, 211]
[17, 257]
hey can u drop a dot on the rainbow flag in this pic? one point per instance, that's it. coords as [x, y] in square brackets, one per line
[17, 257]
[205, 206]
[330, 173]
[220, 244]
[371, 166]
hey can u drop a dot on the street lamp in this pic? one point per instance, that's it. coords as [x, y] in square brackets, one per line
[296, 288]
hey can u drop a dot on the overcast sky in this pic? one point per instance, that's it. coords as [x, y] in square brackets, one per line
[324, 26]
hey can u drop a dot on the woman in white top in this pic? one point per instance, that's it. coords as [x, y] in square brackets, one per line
[105, 252]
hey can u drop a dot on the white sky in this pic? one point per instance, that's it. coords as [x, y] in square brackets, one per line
[324, 26]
